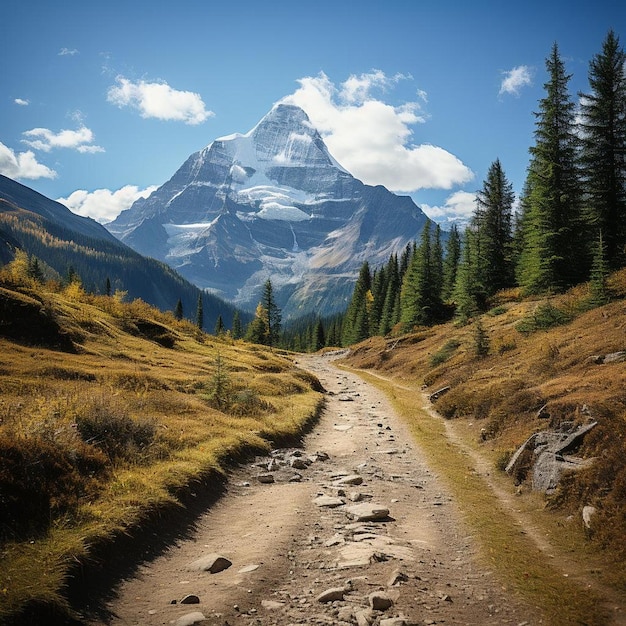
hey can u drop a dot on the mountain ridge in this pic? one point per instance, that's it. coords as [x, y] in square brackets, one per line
[270, 203]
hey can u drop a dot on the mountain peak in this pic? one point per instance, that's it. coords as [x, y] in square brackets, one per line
[270, 202]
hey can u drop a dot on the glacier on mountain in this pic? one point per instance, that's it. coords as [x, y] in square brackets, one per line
[270, 203]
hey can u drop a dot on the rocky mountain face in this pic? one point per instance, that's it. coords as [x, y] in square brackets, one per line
[50, 231]
[272, 203]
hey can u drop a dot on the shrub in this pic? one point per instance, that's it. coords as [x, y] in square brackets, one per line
[114, 432]
[248, 403]
[445, 352]
[42, 479]
[545, 316]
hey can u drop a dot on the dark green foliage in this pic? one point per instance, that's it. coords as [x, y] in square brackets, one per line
[356, 321]
[218, 391]
[603, 115]
[545, 316]
[237, 331]
[319, 340]
[481, 341]
[445, 352]
[107, 287]
[420, 296]
[178, 310]
[272, 313]
[219, 326]
[551, 256]
[492, 223]
[200, 313]
[466, 290]
[451, 262]
[598, 290]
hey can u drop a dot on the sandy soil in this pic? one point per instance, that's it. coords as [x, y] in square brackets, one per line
[286, 549]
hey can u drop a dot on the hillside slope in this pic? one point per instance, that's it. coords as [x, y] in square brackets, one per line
[113, 415]
[51, 232]
[551, 367]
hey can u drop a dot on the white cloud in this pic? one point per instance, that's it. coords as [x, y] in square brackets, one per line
[22, 165]
[372, 139]
[515, 79]
[21, 102]
[458, 208]
[67, 52]
[45, 140]
[104, 205]
[159, 100]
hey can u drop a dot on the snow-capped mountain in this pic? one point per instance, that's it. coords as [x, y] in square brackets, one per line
[272, 203]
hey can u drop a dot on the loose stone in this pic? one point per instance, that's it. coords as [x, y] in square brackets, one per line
[331, 595]
[367, 512]
[379, 601]
[213, 563]
[190, 599]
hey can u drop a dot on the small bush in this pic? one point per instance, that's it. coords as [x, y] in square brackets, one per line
[114, 432]
[248, 403]
[545, 316]
[41, 479]
[498, 310]
[445, 352]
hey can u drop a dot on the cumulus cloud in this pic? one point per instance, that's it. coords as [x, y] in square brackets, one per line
[45, 140]
[158, 100]
[104, 205]
[458, 208]
[67, 52]
[22, 102]
[22, 165]
[515, 79]
[373, 139]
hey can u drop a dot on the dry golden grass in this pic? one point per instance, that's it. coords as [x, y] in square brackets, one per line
[495, 402]
[133, 370]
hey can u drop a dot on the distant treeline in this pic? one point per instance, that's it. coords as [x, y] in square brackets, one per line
[569, 227]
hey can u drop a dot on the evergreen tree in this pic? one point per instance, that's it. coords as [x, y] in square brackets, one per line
[419, 301]
[603, 115]
[273, 314]
[237, 331]
[319, 341]
[598, 291]
[178, 311]
[107, 287]
[34, 269]
[451, 263]
[356, 321]
[465, 288]
[492, 223]
[219, 326]
[481, 341]
[200, 313]
[379, 288]
[551, 255]
[257, 330]
[436, 262]
[391, 306]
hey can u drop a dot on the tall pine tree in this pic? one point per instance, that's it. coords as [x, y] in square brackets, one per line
[551, 252]
[603, 123]
[493, 224]
[356, 320]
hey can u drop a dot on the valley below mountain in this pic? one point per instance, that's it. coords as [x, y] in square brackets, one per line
[357, 528]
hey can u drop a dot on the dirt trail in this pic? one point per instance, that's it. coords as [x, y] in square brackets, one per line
[287, 546]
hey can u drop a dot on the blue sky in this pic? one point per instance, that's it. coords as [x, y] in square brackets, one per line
[102, 101]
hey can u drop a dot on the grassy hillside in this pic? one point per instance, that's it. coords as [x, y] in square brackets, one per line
[60, 239]
[112, 413]
[528, 366]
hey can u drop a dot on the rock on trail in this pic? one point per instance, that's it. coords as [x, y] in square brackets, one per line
[366, 536]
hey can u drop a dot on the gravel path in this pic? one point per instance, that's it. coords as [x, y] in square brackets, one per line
[299, 552]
